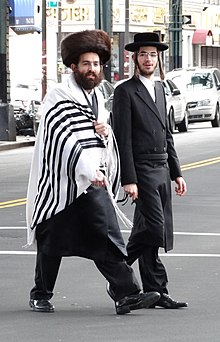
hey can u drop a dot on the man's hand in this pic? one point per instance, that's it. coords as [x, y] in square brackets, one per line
[101, 128]
[131, 190]
[181, 186]
[100, 179]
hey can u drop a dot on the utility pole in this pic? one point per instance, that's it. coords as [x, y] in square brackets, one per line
[59, 37]
[4, 52]
[103, 21]
[175, 34]
[44, 49]
[124, 39]
[7, 120]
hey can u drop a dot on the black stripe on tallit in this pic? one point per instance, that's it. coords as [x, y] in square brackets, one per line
[116, 183]
[71, 186]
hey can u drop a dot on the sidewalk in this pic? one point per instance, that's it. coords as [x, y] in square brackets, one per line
[21, 141]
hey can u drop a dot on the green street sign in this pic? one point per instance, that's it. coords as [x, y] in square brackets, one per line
[52, 4]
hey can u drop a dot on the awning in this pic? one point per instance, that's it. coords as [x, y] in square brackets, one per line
[202, 37]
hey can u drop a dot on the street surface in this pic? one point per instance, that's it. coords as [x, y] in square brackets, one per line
[84, 312]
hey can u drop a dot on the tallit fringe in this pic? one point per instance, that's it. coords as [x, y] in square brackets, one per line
[126, 222]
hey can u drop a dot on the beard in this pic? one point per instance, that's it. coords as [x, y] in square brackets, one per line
[85, 82]
[145, 73]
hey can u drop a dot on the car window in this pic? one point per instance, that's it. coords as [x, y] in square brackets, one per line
[199, 80]
[216, 75]
[166, 88]
[172, 85]
[194, 80]
[106, 88]
[178, 80]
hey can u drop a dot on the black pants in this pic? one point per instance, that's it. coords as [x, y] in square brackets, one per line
[152, 271]
[113, 268]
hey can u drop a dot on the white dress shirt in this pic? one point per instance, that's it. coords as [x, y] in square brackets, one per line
[149, 84]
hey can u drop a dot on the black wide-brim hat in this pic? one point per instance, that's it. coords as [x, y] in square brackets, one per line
[146, 39]
[75, 44]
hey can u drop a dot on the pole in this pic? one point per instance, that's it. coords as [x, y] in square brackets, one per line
[4, 52]
[103, 21]
[97, 14]
[7, 120]
[126, 41]
[44, 50]
[175, 34]
[59, 37]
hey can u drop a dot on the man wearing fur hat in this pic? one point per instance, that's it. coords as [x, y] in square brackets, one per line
[74, 180]
[148, 164]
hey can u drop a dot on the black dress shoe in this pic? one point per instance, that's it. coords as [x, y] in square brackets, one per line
[41, 305]
[167, 302]
[133, 302]
[136, 302]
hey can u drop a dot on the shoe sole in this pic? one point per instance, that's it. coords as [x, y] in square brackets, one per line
[123, 310]
[33, 308]
[168, 307]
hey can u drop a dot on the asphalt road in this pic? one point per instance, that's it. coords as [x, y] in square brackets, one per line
[84, 312]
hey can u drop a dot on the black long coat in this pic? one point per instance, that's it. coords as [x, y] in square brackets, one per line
[148, 158]
[83, 229]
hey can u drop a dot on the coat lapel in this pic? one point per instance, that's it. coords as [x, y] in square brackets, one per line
[160, 100]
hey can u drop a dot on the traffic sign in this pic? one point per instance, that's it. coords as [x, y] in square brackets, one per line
[186, 19]
[52, 4]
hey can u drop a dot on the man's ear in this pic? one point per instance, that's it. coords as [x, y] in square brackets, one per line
[73, 67]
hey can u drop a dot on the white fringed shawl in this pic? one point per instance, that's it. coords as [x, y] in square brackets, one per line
[67, 154]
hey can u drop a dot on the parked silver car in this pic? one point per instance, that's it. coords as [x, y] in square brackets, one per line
[176, 107]
[201, 87]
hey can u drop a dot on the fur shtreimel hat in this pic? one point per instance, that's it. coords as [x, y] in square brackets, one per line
[146, 39]
[75, 44]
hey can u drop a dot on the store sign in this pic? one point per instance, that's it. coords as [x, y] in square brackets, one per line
[70, 14]
[159, 13]
[24, 16]
[138, 14]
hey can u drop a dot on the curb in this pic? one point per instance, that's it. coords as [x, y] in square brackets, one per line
[14, 145]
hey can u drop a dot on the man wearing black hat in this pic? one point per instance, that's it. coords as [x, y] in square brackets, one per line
[74, 179]
[148, 163]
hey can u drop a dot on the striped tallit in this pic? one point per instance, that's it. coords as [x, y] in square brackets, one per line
[67, 154]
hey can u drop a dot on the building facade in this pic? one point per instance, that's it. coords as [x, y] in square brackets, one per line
[200, 34]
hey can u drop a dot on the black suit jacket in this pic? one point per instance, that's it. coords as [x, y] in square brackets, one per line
[141, 128]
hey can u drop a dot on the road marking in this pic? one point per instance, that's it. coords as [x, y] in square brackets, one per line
[163, 254]
[18, 253]
[17, 228]
[192, 255]
[194, 165]
[201, 163]
[183, 233]
[13, 203]
[128, 231]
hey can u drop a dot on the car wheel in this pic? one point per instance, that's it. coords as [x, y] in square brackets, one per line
[183, 126]
[216, 121]
[171, 120]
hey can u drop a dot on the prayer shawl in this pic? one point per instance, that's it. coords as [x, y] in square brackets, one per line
[67, 154]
